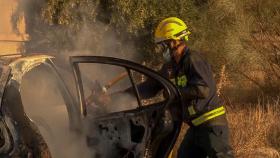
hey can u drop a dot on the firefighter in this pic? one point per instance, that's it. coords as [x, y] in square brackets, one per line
[208, 134]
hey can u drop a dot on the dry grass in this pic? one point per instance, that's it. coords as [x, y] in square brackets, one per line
[255, 131]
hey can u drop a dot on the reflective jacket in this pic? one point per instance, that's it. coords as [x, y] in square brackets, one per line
[194, 79]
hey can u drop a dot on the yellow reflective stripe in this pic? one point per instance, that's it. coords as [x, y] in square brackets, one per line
[191, 110]
[209, 115]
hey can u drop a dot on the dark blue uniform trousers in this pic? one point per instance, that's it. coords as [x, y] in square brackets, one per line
[206, 141]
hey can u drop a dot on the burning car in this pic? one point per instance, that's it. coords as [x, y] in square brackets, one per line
[39, 96]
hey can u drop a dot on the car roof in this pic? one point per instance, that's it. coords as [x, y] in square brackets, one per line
[11, 58]
[21, 64]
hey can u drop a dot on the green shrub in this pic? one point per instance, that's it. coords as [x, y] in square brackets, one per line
[241, 34]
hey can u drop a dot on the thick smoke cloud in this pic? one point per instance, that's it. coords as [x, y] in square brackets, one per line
[44, 104]
[42, 100]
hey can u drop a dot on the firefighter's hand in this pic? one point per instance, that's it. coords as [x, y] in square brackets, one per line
[104, 99]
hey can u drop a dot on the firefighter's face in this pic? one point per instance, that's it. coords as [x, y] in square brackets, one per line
[169, 49]
[172, 45]
[176, 49]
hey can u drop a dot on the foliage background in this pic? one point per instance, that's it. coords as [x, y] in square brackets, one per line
[242, 35]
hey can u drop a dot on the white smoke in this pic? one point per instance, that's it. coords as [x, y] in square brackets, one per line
[43, 102]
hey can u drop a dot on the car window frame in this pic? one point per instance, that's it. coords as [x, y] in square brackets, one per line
[170, 89]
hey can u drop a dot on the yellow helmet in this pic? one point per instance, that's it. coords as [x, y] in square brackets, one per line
[171, 28]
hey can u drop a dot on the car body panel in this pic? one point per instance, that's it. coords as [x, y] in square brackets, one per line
[6, 146]
[16, 127]
[12, 119]
[156, 124]
[23, 64]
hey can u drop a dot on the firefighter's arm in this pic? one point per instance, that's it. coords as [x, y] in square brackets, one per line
[147, 89]
[194, 92]
[197, 87]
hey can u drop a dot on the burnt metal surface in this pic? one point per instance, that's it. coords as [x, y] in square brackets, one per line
[5, 137]
[19, 136]
[21, 66]
[4, 72]
[147, 131]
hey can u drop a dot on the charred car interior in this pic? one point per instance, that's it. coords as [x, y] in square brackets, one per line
[46, 108]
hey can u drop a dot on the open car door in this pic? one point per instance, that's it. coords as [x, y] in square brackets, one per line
[131, 125]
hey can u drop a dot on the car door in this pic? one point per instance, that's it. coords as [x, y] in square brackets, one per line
[130, 125]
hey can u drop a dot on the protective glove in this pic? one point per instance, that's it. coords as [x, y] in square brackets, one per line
[104, 99]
